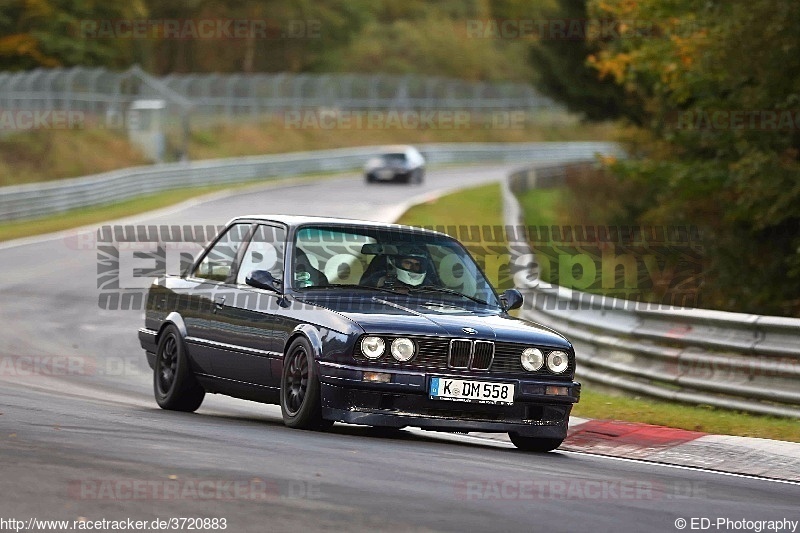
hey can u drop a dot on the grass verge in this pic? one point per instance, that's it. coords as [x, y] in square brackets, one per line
[85, 216]
[706, 418]
[44, 155]
[483, 206]
[76, 218]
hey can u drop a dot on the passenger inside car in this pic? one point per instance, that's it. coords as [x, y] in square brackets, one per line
[305, 275]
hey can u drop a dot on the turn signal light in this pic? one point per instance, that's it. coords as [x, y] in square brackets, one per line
[377, 377]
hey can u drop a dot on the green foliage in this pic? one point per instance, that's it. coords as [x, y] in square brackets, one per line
[562, 72]
[49, 33]
[433, 46]
[300, 35]
[408, 36]
[702, 65]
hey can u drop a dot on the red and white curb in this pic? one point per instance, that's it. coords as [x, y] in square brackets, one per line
[735, 455]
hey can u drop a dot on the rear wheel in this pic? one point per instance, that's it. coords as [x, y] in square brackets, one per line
[534, 444]
[174, 385]
[300, 396]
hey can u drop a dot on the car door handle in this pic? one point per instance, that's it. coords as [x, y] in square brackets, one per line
[219, 303]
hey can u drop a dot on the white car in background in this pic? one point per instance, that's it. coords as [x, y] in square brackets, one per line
[403, 164]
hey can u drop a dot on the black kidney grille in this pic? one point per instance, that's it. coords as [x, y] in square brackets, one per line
[460, 353]
[432, 353]
[506, 357]
[483, 356]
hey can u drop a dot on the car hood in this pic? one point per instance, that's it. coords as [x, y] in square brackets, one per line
[431, 318]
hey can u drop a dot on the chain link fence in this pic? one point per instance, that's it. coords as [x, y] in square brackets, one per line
[105, 93]
[156, 112]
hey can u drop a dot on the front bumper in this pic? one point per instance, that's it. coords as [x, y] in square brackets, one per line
[391, 175]
[404, 401]
[148, 339]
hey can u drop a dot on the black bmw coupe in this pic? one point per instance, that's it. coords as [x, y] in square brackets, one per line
[359, 322]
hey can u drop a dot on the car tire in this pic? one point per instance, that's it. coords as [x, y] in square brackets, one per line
[534, 444]
[300, 391]
[419, 176]
[174, 385]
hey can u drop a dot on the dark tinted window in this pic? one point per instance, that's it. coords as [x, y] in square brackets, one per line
[217, 264]
[265, 252]
[395, 158]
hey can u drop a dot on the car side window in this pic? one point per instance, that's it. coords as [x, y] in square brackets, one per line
[264, 252]
[218, 263]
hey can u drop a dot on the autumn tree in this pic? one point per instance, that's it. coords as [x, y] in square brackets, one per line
[560, 69]
[719, 145]
[51, 33]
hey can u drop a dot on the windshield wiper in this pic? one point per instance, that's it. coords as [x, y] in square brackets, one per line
[354, 287]
[447, 291]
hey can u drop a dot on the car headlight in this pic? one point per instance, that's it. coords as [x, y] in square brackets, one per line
[557, 361]
[532, 359]
[402, 349]
[372, 347]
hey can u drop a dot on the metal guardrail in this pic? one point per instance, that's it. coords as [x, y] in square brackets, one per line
[33, 200]
[736, 361]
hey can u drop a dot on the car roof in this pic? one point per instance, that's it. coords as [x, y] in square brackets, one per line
[302, 220]
[397, 148]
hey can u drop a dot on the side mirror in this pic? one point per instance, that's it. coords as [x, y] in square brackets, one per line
[511, 299]
[263, 279]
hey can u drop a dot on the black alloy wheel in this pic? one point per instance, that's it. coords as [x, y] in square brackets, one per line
[174, 385]
[300, 390]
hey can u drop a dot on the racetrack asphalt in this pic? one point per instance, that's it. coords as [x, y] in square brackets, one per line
[86, 441]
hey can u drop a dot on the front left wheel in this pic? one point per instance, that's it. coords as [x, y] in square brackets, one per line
[174, 385]
[300, 395]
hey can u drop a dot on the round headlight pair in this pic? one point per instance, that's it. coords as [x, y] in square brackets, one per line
[533, 359]
[373, 347]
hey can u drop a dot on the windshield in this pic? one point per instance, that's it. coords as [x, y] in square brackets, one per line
[394, 158]
[436, 267]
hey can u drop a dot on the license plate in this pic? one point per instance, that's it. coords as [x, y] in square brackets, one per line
[386, 174]
[462, 390]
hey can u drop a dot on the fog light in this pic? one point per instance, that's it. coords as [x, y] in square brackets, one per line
[377, 377]
[556, 391]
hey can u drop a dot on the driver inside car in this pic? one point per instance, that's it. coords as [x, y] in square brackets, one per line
[408, 270]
